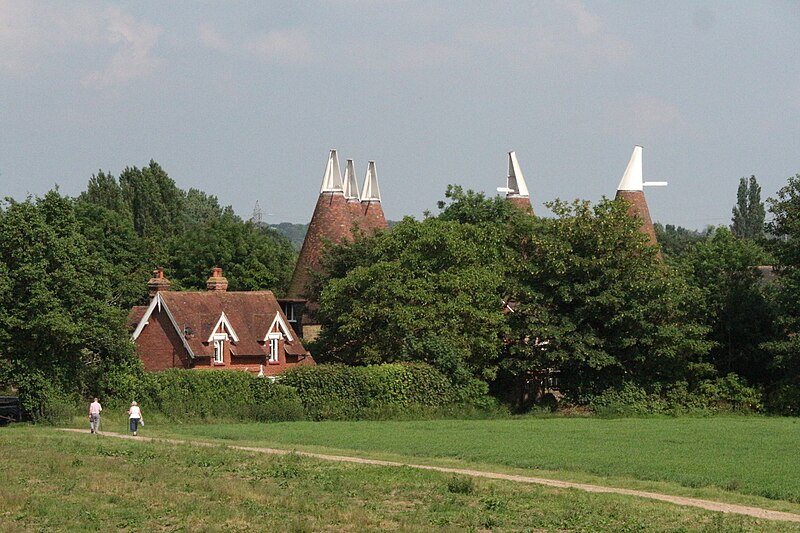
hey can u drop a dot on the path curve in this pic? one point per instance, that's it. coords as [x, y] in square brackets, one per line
[710, 505]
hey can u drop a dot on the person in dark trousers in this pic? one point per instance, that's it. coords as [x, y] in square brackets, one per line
[135, 417]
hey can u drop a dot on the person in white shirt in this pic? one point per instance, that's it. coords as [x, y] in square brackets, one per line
[94, 416]
[135, 417]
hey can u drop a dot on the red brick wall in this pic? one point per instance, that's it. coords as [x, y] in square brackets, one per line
[520, 202]
[638, 208]
[159, 346]
[332, 220]
[372, 217]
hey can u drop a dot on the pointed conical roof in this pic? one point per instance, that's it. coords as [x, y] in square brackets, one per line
[632, 178]
[331, 221]
[372, 216]
[332, 180]
[631, 189]
[516, 181]
[516, 189]
[371, 192]
[350, 181]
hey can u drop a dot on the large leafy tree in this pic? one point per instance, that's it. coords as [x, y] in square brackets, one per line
[512, 293]
[785, 226]
[749, 212]
[144, 220]
[253, 258]
[592, 298]
[59, 328]
[735, 302]
[424, 291]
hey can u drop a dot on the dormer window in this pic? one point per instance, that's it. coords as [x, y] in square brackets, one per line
[274, 346]
[219, 347]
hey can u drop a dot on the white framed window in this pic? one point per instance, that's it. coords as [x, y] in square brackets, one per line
[274, 345]
[219, 347]
[288, 310]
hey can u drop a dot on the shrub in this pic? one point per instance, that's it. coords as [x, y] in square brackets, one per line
[340, 392]
[728, 393]
[199, 395]
[460, 484]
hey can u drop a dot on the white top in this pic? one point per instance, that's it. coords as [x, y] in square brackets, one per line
[515, 183]
[632, 179]
[332, 180]
[135, 412]
[350, 181]
[370, 192]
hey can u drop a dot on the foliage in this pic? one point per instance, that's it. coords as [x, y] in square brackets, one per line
[675, 240]
[785, 350]
[191, 395]
[724, 394]
[592, 298]
[252, 258]
[748, 213]
[144, 220]
[426, 291]
[733, 302]
[295, 233]
[346, 392]
[59, 328]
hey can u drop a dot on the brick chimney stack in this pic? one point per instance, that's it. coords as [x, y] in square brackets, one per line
[217, 282]
[157, 283]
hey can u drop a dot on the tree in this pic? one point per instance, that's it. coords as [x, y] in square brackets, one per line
[156, 203]
[252, 258]
[785, 226]
[59, 330]
[592, 299]
[499, 291]
[426, 291]
[676, 240]
[735, 304]
[748, 213]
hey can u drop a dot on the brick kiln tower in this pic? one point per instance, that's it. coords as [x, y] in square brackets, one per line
[516, 190]
[371, 214]
[331, 221]
[631, 188]
[339, 209]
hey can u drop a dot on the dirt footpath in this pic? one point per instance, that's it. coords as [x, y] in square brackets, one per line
[678, 500]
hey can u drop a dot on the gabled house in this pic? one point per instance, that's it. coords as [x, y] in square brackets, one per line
[215, 329]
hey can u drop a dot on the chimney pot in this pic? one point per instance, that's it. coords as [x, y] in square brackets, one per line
[157, 283]
[217, 282]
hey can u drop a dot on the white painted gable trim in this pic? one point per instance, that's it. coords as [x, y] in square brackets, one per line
[282, 325]
[160, 303]
[223, 319]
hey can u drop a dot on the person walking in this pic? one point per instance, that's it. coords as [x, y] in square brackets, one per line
[94, 416]
[135, 417]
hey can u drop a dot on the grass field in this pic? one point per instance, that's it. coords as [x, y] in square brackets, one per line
[54, 481]
[718, 457]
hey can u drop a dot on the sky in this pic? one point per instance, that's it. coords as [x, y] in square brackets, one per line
[244, 99]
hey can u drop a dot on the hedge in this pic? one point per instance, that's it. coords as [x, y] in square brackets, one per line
[316, 392]
[345, 392]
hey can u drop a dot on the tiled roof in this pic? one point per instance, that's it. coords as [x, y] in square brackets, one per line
[250, 314]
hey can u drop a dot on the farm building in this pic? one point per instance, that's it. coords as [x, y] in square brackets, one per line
[214, 329]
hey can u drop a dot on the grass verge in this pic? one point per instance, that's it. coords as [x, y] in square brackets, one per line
[53, 481]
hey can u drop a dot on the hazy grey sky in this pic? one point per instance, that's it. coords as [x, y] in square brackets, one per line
[243, 100]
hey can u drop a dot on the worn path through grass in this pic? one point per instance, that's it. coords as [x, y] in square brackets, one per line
[679, 500]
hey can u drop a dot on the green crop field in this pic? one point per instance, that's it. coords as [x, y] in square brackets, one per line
[56, 481]
[718, 457]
